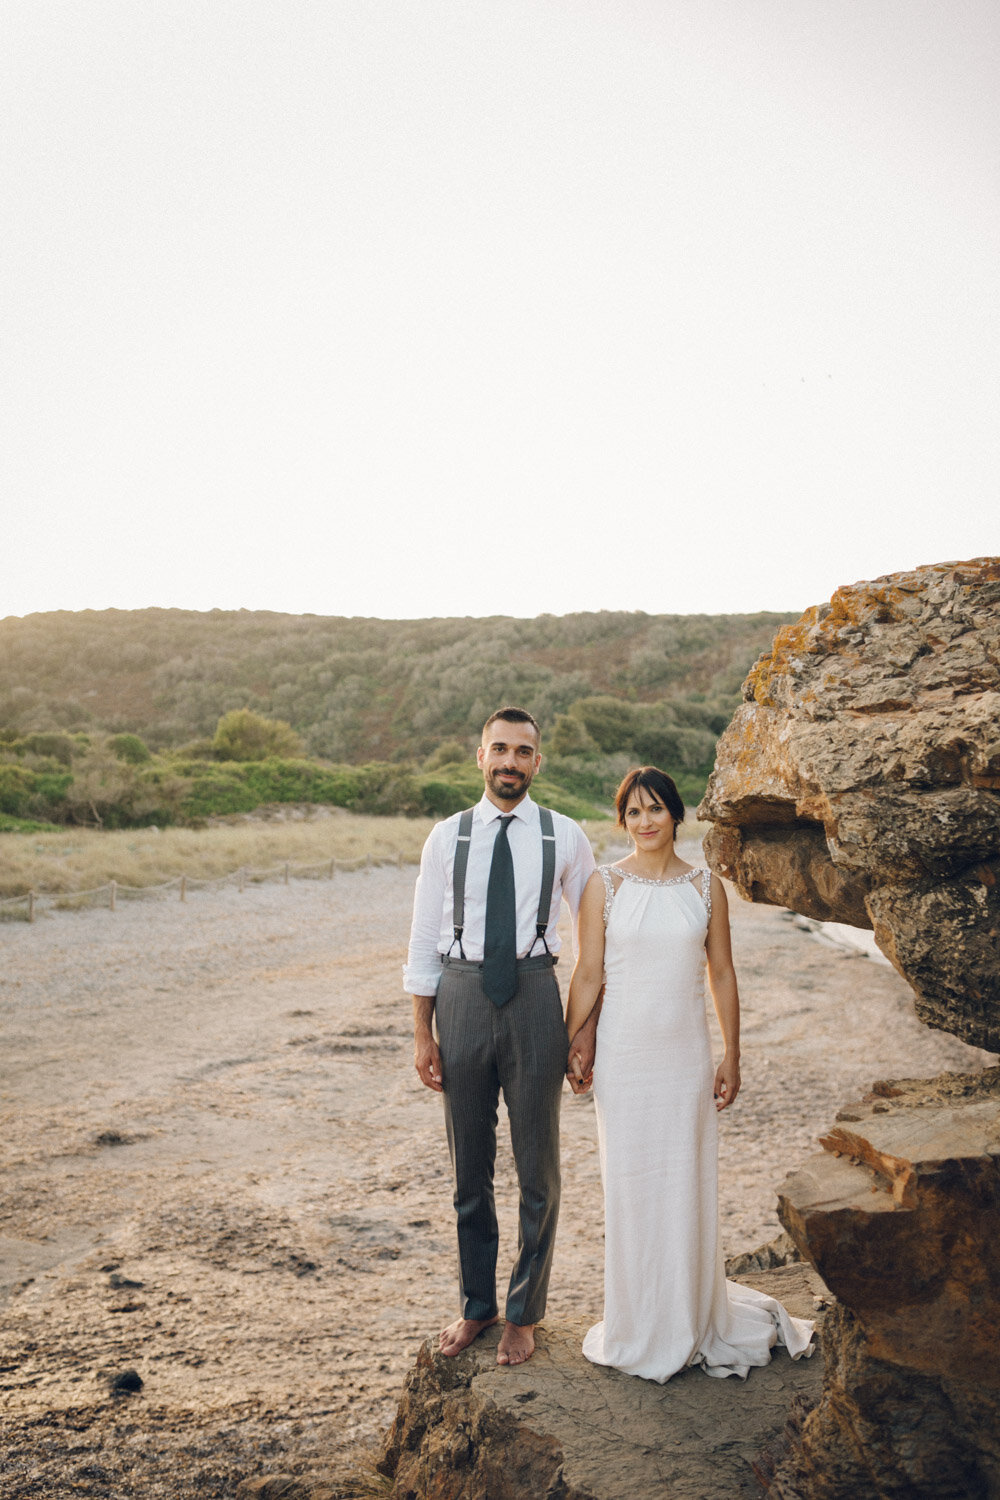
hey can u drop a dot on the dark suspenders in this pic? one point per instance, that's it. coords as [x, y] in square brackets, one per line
[462, 864]
[458, 878]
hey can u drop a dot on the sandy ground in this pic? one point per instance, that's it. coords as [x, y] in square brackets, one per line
[220, 1171]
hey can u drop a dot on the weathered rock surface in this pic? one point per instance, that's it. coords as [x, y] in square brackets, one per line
[860, 781]
[559, 1426]
[901, 1216]
[284, 1487]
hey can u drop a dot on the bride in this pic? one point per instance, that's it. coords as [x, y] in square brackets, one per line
[647, 925]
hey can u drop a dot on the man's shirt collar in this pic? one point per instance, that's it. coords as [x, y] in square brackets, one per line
[488, 811]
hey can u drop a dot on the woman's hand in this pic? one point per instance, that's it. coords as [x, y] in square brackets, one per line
[727, 1082]
[580, 1065]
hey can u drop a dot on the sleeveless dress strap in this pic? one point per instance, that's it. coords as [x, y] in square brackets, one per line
[706, 891]
[609, 890]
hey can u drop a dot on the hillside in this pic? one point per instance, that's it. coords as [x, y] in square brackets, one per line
[124, 718]
[356, 689]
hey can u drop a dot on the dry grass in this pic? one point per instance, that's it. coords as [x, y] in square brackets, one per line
[81, 859]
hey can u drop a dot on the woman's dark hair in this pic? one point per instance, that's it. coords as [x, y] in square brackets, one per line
[658, 784]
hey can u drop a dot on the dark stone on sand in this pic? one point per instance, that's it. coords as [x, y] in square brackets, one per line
[781, 1251]
[127, 1382]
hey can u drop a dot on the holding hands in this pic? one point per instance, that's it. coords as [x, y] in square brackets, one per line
[580, 1064]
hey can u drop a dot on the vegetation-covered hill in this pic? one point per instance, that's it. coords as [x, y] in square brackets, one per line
[355, 689]
[378, 715]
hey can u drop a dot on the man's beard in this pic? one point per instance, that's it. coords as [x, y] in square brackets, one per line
[509, 792]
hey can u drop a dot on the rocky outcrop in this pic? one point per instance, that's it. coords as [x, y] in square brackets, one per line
[860, 781]
[560, 1427]
[901, 1216]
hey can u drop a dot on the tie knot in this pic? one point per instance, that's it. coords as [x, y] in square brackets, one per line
[506, 820]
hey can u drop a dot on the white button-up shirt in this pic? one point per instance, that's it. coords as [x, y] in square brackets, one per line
[432, 932]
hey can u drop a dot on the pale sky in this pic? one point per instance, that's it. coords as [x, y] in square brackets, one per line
[424, 307]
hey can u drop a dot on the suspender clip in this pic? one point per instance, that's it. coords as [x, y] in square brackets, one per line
[457, 939]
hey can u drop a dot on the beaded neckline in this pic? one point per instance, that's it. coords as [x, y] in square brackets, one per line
[688, 876]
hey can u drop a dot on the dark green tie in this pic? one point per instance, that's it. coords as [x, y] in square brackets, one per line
[500, 942]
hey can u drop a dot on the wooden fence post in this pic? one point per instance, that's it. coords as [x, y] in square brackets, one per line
[242, 876]
[31, 906]
[114, 893]
[183, 887]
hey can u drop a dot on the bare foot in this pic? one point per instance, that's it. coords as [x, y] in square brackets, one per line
[460, 1334]
[517, 1343]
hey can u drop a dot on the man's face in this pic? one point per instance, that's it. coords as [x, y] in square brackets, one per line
[508, 758]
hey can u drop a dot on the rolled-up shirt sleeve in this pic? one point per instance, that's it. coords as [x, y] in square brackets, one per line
[422, 972]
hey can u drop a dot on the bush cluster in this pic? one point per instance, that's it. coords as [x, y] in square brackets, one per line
[117, 782]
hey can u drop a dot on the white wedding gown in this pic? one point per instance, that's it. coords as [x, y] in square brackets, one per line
[667, 1303]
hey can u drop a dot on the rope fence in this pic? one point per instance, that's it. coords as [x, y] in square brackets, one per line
[26, 907]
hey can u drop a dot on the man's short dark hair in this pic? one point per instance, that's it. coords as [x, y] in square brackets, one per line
[513, 716]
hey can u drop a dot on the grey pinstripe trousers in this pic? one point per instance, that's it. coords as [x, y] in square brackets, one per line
[521, 1048]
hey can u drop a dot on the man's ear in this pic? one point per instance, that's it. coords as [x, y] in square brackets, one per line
[479, 756]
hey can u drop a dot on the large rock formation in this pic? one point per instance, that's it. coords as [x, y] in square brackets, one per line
[901, 1217]
[560, 1427]
[860, 781]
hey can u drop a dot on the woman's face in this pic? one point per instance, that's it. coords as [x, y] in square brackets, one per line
[648, 821]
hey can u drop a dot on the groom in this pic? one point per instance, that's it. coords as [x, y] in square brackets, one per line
[482, 949]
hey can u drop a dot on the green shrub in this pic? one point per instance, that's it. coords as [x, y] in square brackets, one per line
[26, 825]
[50, 791]
[196, 750]
[609, 722]
[277, 780]
[439, 799]
[55, 746]
[130, 748]
[450, 753]
[570, 736]
[214, 791]
[17, 786]
[387, 789]
[243, 735]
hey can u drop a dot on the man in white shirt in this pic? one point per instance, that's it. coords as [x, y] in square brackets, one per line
[482, 949]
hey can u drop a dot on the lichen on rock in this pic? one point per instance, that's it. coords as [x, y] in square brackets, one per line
[859, 781]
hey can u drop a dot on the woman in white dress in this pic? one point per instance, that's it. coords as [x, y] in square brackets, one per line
[647, 925]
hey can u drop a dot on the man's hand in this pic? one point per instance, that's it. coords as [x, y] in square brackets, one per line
[426, 1056]
[427, 1061]
[580, 1064]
